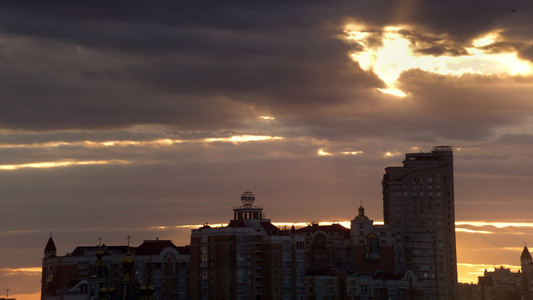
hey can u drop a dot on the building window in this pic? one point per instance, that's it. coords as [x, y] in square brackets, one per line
[372, 246]
[319, 241]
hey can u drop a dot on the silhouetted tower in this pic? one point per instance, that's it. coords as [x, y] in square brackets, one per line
[418, 204]
[526, 263]
[99, 281]
[525, 258]
[128, 286]
[50, 249]
[48, 269]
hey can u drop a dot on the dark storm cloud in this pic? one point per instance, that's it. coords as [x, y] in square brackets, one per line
[107, 65]
[463, 21]
[99, 66]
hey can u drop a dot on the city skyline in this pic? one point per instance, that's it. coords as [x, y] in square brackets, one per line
[138, 118]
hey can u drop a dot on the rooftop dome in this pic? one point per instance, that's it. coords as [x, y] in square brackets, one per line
[247, 198]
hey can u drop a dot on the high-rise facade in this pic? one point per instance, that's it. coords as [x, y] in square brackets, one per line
[418, 205]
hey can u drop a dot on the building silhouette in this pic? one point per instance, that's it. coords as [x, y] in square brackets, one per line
[250, 258]
[328, 248]
[355, 263]
[418, 205]
[155, 269]
[411, 256]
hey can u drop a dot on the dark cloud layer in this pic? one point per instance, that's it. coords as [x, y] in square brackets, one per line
[94, 64]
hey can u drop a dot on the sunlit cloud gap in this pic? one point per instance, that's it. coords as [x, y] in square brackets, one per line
[323, 152]
[244, 138]
[397, 53]
[21, 271]
[391, 153]
[485, 175]
[516, 249]
[153, 143]
[352, 152]
[472, 231]
[495, 224]
[57, 164]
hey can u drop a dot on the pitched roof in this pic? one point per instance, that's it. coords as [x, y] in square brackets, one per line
[81, 250]
[269, 228]
[525, 254]
[154, 247]
[326, 228]
[50, 246]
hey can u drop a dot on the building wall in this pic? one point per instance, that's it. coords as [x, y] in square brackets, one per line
[245, 263]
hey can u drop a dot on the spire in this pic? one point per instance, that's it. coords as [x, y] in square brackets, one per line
[525, 255]
[361, 215]
[128, 286]
[99, 269]
[50, 248]
[361, 210]
[100, 274]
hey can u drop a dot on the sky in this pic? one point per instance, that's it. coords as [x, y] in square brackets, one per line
[148, 118]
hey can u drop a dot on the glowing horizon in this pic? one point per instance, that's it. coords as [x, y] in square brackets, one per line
[21, 271]
[346, 223]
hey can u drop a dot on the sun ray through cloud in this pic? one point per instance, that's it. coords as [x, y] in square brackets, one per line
[398, 52]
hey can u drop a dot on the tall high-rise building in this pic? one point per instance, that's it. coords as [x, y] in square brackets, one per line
[418, 204]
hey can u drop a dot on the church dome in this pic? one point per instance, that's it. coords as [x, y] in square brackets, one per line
[361, 215]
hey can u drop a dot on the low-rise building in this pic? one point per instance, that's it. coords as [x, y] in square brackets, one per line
[89, 271]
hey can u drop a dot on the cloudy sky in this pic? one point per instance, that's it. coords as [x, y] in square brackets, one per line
[140, 118]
